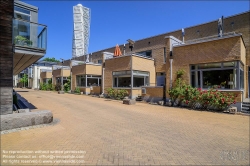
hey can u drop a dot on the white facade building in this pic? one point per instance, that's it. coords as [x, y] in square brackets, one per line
[81, 32]
[33, 73]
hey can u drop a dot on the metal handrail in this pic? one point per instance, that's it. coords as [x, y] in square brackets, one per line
[205, 38]
[29, 21]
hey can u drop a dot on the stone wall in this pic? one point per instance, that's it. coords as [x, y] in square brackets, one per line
[6, 58]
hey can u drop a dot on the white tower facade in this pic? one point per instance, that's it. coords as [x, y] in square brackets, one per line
[81, 30]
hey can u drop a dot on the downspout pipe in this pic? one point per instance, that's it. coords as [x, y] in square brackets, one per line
[103, 80]
[71, 76]
[132, 82]
[171, 74]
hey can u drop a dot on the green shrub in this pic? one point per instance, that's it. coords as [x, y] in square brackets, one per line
[110, 92]
[121, 93]
[66, 86]
[118, 94]
[205, 99]
[77, 90]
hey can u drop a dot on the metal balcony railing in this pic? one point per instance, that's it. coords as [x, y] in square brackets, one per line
[204, 39]
[29, 34]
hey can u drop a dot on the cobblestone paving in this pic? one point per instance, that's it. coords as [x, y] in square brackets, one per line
[115, 134]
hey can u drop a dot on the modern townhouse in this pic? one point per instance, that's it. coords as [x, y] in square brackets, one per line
[210, 54]
[24, 42]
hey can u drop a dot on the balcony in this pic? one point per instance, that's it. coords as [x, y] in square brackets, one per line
[29, 34]
[30, 43]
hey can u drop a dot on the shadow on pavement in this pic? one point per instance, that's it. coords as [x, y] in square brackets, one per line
[24, 102]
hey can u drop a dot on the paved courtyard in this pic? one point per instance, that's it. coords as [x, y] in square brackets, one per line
[95, 131]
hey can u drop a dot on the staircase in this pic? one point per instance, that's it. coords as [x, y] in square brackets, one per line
[245, 107]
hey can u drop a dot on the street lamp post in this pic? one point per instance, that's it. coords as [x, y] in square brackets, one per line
[61, 92]
[37, 78]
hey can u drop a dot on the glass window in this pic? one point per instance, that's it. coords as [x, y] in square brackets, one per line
[209, 65]
[147, 53]
[91, 80]
[229, 64]
[18, 9]
[165, 54]
[141, 73]
[140, 78]
[99, 61]
[195, 79]
[223, 77]
[241, 79]
[80, 80]
[21, 13]
[138, 81]
[128, 72]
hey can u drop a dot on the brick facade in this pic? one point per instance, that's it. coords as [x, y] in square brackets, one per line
[124, 63]
[221, 50]
[44, 75]
[57, 73]
[86, 69]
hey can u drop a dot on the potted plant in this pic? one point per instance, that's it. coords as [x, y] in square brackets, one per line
[20, 40]
[223, 84]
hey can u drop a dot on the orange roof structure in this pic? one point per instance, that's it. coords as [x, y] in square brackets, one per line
[117, 51]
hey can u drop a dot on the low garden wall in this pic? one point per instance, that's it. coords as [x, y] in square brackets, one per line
[152, 93]
[17, 120]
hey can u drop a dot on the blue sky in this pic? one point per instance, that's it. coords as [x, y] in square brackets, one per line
[113, 22]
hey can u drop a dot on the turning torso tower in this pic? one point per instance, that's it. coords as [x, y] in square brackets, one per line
[81, 16]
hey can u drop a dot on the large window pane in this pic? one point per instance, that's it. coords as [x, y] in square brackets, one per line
[115, 82]
[241, 79]
[225, 79]
[92, 81]
[147, 53]
[229, 64]
[209, 65]
[138, 81]
[195, 79]
[123, 78]
[124, 81]
[80, 80]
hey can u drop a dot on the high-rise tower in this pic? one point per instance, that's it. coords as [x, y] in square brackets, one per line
[81, 30]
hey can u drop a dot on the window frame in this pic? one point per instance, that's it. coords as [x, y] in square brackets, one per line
[237, 66]
[127, 73]
[86, 76]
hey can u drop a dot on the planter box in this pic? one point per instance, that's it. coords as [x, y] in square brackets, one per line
[129, 101]
[232, 110]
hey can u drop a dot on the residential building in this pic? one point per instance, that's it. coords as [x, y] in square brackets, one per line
[25, 42]
[209, 55]
[33, 73]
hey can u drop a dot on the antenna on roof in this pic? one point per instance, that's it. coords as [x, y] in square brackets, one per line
[131, 44]
[220, 27]
[183, 34]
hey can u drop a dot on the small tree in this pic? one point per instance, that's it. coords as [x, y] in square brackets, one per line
[50, 59]
[24, 79]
